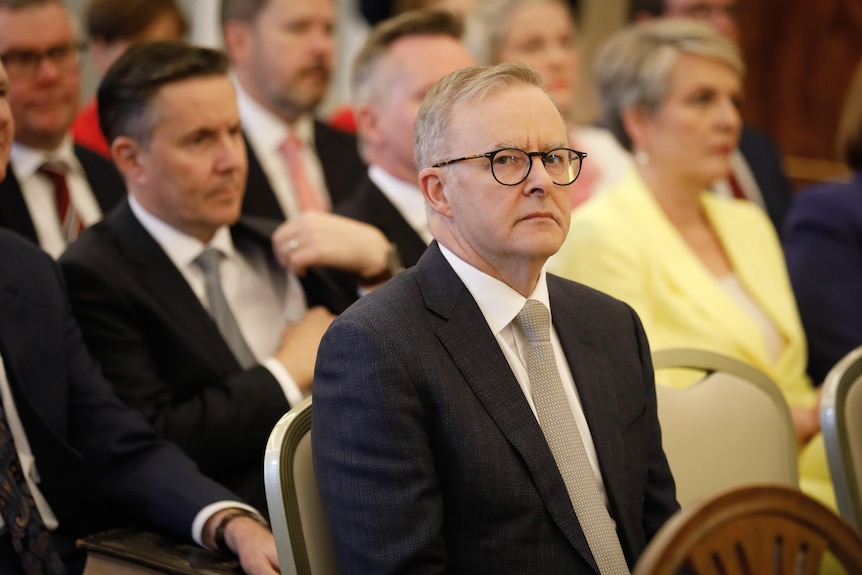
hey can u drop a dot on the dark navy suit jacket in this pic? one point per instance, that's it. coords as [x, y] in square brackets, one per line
[164, 355]
[100, 463]
[428, 456]
[823, 246]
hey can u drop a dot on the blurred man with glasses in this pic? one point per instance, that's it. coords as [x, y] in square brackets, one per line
[756, 168]
[493, 417]
[54, 189]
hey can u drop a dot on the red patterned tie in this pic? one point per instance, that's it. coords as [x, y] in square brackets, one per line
[30, 537]
[70, 223]
[307, 196]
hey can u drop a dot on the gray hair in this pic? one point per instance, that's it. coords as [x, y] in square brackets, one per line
[633, 67]
[467, 84]
[489, 22]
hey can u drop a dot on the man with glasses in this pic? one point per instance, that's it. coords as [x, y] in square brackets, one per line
[54, 189]
[492, 417]
[756, 170]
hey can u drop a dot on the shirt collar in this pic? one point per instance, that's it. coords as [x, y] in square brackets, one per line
[267, 129]
[498, 302]
[26, 160]
[180, 247]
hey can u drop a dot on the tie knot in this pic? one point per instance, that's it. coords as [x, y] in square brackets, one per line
[52, 170]
[208, 260]
[291, 145]
[534, 319]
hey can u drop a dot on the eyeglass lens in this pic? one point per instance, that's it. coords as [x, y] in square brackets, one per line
[511, 166]
[25, 63]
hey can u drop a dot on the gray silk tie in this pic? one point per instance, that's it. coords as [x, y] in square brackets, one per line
[563, 437]
[208, 261]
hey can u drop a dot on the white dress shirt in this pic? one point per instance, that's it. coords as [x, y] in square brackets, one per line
[407, 199]
[264, 301]
[39, 193]
[500, 305]
[266, 132]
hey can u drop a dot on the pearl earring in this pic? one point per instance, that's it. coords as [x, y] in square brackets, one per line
[641, 158]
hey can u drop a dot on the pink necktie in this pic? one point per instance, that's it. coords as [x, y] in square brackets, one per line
[307, 197]
[70, 223]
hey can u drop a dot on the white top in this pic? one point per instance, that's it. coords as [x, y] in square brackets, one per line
[500, 305]
[266, 132]
[612, 161]
[249, 286]
[737, 292]
[39, 194]
[407, 199]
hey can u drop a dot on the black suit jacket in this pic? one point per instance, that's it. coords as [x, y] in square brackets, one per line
[368, 204]
[104, 179]
[95, 456]
[428, 456]
[164, 355]
[764, 159]
[343, 169]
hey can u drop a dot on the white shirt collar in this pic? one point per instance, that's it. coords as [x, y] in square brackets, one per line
[498, 302]
[180, 247]
[26, 160]
[267, 129]
[406, 197]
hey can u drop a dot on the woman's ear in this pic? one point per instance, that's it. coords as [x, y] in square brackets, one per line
[636, 121]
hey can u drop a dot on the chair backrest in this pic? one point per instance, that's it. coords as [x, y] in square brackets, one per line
[301, 532]
[750, 530]
[841, 423]
[731, 428]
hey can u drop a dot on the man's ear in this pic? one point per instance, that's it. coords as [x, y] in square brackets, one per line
[432, 182]
[128, 157]
[636, 121]
[236, 40]
[368, 123]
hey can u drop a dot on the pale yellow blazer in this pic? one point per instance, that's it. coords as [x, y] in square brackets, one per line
[620, 242]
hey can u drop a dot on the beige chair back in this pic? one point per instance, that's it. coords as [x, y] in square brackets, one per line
[299, 525]
[841, 422]
[731, 428]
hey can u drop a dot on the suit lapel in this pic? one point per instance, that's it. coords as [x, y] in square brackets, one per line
[13, 210]
[259, 199]
[160, 278]
[475, 351]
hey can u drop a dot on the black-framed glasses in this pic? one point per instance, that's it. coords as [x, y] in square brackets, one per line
[511, 166]
[24, 64]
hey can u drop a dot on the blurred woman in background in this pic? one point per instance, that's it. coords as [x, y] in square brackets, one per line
[823, 247]
[702, 271]
[542, 34]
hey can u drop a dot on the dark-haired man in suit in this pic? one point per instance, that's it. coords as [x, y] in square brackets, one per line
[193, 321]
[494, 418]
[401, 60]
[73, 458]
[54, 188]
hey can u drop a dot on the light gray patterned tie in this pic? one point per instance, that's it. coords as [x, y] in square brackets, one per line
[208, 261]
[564, 439]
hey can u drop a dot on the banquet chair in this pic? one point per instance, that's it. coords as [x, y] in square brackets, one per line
[753, 530]
[841, 423]
[730, 428]
[302, 536]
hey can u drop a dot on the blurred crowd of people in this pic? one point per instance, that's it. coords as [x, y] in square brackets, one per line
[210, 225]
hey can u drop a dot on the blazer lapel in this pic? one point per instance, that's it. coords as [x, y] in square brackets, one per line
[475, 351]
[160, 278]
[685, 274]
[13, 210]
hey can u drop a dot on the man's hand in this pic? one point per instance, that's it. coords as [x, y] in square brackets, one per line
[299, 343]
[323, 239]
[252, 543]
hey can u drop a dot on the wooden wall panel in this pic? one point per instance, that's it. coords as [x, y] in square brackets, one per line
[800, 56]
